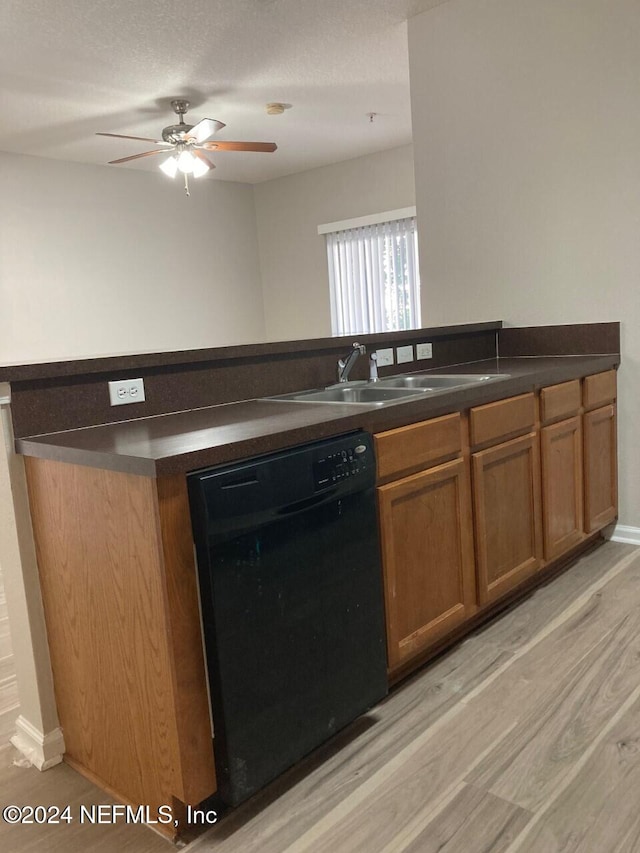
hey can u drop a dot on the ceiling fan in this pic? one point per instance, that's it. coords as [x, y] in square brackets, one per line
[189, 145]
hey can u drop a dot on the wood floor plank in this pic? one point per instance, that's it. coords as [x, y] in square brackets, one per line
[5, 637]
[474, 820]
[599, 810]
[8, 695]
[565, 719]
[551, 653]
[423, 772]
[8, 724]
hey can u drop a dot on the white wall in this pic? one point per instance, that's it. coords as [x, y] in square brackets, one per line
[98, 260]
[293, 258]
[526, 125]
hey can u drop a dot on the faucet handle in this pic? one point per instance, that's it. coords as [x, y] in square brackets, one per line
[373, 367]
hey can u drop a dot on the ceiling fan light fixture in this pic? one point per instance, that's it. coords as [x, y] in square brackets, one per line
[170, 166]
[199, 168]
[186, 162]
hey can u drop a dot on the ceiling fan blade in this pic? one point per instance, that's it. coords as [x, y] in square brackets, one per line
[139, 138]
[225, 145]
[202, 156]
[205, 129]
[137, 156]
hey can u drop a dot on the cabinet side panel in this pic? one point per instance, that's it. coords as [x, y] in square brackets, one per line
[100, 571]
[197, 772]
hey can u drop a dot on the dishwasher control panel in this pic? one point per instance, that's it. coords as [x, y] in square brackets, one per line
[342, 463]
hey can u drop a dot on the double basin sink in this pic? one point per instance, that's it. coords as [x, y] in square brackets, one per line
[394, 389]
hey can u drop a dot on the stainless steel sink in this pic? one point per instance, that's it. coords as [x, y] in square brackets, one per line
[369, 395]
[387, 392]
[439, 382]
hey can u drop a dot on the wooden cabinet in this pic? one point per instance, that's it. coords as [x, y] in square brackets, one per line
[561, 457]
[600, 451]
[561, 460]
[600, 468]
[427, 550]
[506, 496]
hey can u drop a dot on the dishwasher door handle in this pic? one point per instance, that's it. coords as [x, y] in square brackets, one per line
[306, 503]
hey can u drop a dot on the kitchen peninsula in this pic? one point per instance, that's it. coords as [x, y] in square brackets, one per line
[482, 493]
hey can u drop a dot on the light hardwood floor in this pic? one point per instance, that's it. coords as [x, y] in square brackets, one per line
[524, 737]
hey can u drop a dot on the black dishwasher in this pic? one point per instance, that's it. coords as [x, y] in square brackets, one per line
[292, 604]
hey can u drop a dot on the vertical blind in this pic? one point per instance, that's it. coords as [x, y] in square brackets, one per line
[373, 277]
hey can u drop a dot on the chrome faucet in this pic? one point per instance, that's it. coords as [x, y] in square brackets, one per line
[345, 364]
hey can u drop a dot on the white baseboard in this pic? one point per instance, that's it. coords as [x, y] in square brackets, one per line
[41, 750]
[624, 533]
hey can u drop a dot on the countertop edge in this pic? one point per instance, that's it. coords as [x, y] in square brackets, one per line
[35, 447]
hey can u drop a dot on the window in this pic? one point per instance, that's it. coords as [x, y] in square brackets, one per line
[373, 273]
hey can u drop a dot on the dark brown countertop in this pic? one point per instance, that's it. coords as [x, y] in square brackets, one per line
[185, 441]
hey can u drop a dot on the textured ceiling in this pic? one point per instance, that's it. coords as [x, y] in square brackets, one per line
[69, 68]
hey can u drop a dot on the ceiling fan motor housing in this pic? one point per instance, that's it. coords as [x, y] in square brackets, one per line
[176, 132]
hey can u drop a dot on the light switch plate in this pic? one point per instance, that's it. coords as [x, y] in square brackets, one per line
[126, 391]
[404, 354]
[424, 351]
[385, 357]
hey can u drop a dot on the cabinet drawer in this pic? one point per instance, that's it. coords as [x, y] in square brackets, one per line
[599, 389]
[560, 401]
[417, 446]
[502, 418]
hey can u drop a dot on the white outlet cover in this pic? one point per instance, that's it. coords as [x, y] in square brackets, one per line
[424, 351]
[404, 354]
[385, 357]
[125, 391]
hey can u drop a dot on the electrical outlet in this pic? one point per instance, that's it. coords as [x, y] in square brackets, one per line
[385, 357]
[126, 391]
[404, 354]
[424, 351]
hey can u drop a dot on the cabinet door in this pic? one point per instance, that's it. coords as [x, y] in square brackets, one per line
[506, 493]
[600, 468]
[427, 547]
[562, 515]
